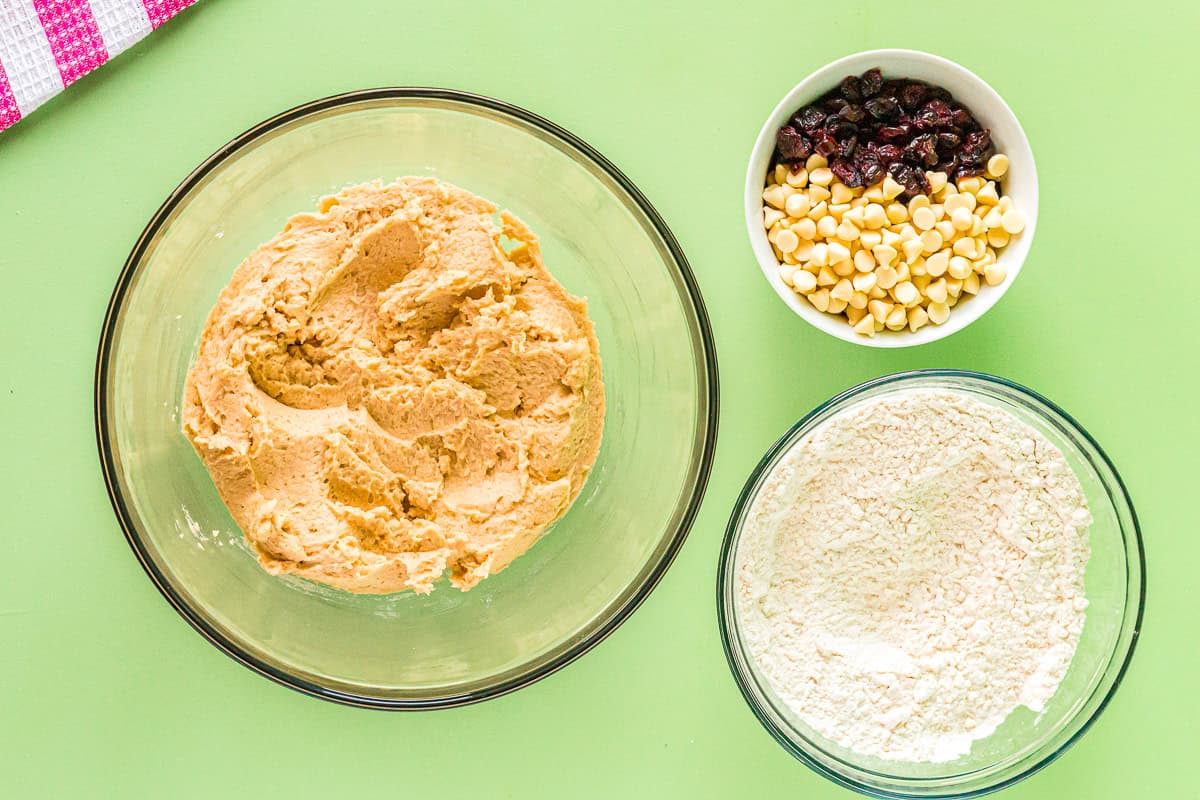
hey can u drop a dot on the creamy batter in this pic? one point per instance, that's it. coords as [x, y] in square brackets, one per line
[383, 394]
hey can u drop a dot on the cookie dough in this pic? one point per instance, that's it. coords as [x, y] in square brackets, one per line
[383, 394]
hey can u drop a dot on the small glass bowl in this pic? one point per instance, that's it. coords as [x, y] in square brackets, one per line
[1021, 182]
[1026, 741]
[601, 239]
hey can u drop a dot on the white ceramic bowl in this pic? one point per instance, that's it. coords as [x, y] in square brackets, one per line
[988, 108]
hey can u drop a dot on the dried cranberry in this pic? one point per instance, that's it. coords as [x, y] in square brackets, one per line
[849, 145]
[912, 95]
[824, 144]
[924, 121]
[809, 119]
[793, 145]
[947, 142]
[949, 166]
[842, 129]
[850, 89]
[963, 118]
[889, 153]
[978, 140]
[971, 156]
[845, 172]
[833, 105]
[883, 108]
[915, 183]
[940, 112]
[900, 172]
[870, 82]
[893, 133]
[853, 113]
[872, 172]
[968, 170]
[921, 151]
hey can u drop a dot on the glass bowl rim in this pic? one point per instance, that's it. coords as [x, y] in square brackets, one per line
[1118, 492]
[579, 151]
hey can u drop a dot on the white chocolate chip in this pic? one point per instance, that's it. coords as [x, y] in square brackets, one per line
[997, 165]
[961, 218]
[988, 195]
[864, 282]
[1013, 222]
[924, 219]
[880, 309]
[870, 239]
[804, 282]
[917, 318]
[936, 264]
[774, 195]
[864, 261]
[787, 240]
[838, 253]
[797, 205]
[844, 290]
[905, 293]
[964, 247]
[913, 249]
[866, 326]
[884, 254]
[959, 267]
[847, 231]
[805, 228]
[995, 274]
[936, 291]
[931, 242]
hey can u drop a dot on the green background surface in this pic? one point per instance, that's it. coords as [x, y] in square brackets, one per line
[105, 692]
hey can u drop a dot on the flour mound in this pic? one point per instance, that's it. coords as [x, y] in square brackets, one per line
[912, 571]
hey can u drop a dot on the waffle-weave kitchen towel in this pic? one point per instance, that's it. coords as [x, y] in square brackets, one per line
[46, 45]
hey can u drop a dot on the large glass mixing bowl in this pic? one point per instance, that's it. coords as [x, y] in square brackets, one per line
[1114, 582]
[600, 238]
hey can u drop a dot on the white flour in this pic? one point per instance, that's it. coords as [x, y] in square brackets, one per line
[912, 571]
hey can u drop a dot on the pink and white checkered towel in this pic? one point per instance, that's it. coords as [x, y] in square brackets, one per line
[46, 45]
